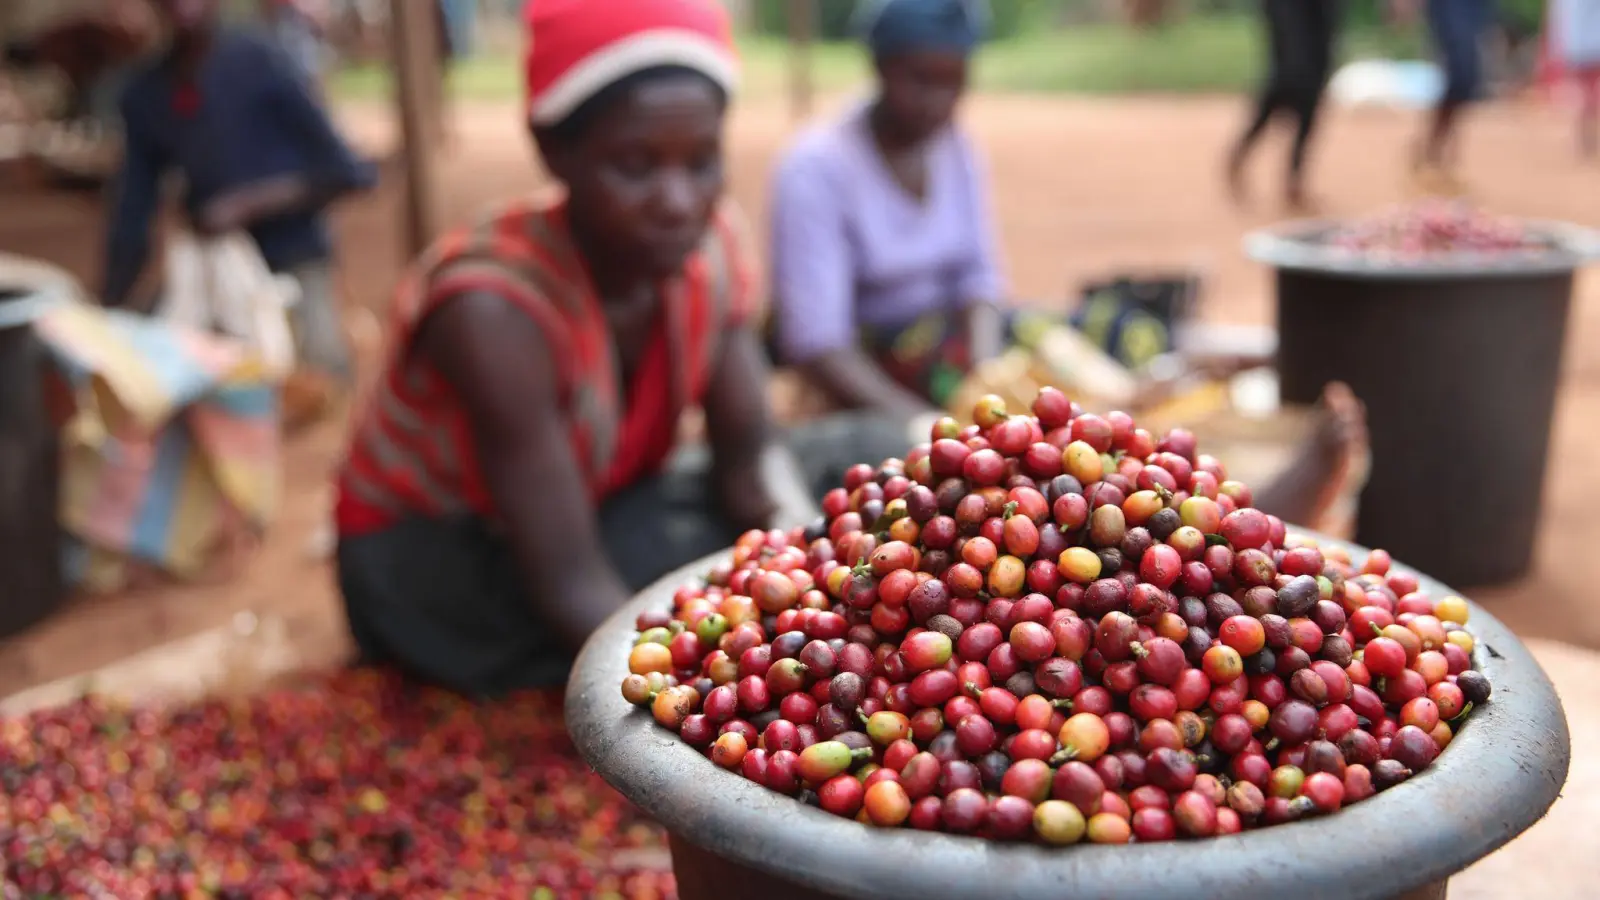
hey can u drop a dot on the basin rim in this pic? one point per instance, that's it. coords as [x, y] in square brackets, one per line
[1290, 247]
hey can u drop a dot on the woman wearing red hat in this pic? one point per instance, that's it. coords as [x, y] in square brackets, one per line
[508, 484]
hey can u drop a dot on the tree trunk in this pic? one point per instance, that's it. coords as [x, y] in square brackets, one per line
[1148, 13]
[416, 60]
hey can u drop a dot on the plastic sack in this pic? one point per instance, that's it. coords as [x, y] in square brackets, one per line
[223, 285]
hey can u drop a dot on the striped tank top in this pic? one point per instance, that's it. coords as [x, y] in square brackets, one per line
[411, 450]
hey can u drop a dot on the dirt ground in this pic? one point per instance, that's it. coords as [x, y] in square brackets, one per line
[1082, 187]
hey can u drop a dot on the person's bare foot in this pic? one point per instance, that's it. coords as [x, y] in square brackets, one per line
[1233, 177]
[1330, 463]
[1299, 202]
[1437, 181]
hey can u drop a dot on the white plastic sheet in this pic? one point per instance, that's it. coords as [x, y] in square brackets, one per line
[223, 285]
[1387, 83]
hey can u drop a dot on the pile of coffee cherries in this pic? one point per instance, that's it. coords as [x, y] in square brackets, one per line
[1437, 228]
[1057, 627]
[357, 785]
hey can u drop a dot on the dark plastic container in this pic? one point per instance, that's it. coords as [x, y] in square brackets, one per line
[31, 585]
[733, 838]
[1458, 362]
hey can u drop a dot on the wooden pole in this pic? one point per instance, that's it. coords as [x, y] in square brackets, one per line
[802, 28]
[414, 51]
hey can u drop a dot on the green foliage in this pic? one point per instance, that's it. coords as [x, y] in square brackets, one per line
[1198, 54]
[1527, 15]
[1051, 51]
[834, 17]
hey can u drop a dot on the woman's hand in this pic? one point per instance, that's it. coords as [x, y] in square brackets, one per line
[854, 381]
[770, 494]
[920, 429]
[493, 355]
[985, 332]
[221, 215]
[250, 203]
[757, 481]
[743, 498]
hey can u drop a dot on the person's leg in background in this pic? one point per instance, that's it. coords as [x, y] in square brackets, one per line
[1458, 28]
[441, 599]
[325, 373]
[1319, 25]
[1572, 55]
[451, 46]
[1588, 82]
[1280, 18]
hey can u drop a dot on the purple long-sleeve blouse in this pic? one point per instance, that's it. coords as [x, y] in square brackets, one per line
[851, 247]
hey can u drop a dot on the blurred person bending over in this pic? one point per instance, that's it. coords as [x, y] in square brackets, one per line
[512, 479]
[232, 114]
[887, 276]
[1300, 37]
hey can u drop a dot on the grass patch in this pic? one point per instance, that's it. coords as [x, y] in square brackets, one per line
[1200, 54]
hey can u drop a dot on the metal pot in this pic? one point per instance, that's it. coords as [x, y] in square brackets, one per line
[733, 838]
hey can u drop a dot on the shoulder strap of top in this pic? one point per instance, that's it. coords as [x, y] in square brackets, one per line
[523, 255]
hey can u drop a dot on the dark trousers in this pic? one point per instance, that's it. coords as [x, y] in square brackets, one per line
[443, 598]
[1459, 28]
[1300, 37]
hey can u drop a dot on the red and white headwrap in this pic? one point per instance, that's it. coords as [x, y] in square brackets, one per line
[577, 48]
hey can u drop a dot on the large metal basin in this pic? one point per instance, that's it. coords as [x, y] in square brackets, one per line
[732, 838]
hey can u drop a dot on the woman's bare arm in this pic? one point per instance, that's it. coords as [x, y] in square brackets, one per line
[758, 481]
[494, 357]
[852, 380]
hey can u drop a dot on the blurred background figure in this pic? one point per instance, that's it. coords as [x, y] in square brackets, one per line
[1300, 43]
[91, 47]
[300, 28]
[234, 115]
[886, 272]
[1573, 42]
[1458, 29]
[453, 24]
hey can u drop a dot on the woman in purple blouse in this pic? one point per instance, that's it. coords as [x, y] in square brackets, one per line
[886, 273]
[884, 262]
